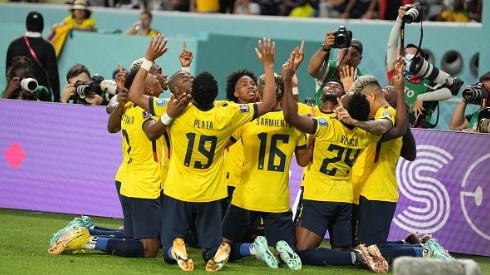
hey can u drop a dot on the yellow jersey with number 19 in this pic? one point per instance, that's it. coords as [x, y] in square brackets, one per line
[198, 141]
[336, 149]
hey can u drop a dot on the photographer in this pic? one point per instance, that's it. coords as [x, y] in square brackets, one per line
[325, 70]
[142, 26]
[425, 84]
[21, 83]
[476, 93]
[80, 88]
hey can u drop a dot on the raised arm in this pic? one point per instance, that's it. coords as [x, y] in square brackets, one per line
[401, 118]
[319, 61]
[114, 122]
[185, 57]
[288, 103]
[392, 46]
[265, 51]
[156, 48]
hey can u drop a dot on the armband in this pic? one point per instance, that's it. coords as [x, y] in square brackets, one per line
[166, 119]
[146, 64]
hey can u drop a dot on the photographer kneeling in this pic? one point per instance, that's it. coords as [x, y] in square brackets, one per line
[477, 93]
[82, 88]
[425, 85]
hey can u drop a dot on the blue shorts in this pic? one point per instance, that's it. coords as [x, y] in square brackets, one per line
[374, 221]
[277, 226]
[142, 218]
[336, 217]
[181, 216]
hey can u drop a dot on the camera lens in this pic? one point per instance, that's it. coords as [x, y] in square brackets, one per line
[28, 84]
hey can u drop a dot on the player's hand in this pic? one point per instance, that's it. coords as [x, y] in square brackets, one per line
[288, 68]
[185, 56]
[157, 47]
[298, 55]
[343, 115]
[266, 50]
[346, 73]
[177, 106]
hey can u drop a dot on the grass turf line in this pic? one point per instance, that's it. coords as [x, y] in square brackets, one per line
[24, 247]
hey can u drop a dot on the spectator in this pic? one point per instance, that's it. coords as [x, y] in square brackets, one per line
[204, 6]
[249, 7]
[323, 70]
[388, 9]
[76, 76]
[21, 83]
[32, 45]
[460, 122]
[365, 9]
[80, 18]
[303, 9]
[143, 25]
[454, 11]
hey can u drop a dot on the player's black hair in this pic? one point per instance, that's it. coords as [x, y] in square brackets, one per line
[358, 107]
[204, 89]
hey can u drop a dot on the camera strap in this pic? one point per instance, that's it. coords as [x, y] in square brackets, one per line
[34, 56]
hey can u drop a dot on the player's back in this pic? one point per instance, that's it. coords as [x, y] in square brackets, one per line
[198, 139]
[268, 143]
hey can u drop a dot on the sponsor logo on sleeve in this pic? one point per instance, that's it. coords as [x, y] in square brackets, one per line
[322, 122]
[161, 102]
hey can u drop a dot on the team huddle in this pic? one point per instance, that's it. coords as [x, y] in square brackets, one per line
[196, 170]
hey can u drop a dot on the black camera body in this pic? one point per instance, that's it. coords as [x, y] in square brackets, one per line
[84, 90]
[414, 13]
[343, 37]
[476, 94]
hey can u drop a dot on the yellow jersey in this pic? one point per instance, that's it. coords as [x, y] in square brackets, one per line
[142, 174]
[86, 23]
[198, 141]
[269, 143]
[374, 173]
[336, 149]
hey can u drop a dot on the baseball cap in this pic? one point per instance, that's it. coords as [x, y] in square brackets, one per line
[34, 22]
[357, 44]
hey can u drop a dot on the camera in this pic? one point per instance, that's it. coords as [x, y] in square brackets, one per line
[476, 94]
[309, 101]
[28, 84]
[414, 13]
[84, 90]
[343, 38]
[420, 67]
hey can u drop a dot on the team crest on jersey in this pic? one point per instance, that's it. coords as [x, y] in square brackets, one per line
[146, 114]
[322, 122]
[387, 114]
[244, 108]
[161, 102]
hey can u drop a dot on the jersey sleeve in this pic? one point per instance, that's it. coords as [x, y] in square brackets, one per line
[242, 113]
[301, 144]
[386, 113]
[158, 106]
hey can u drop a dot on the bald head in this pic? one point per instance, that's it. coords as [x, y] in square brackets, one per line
[180, 82]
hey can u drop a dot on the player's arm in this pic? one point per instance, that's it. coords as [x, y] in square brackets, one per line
[114, 122]
[401, 118]
[266, 53]
[409, 149]
[290, 106]
[302, 154]
[298, 57]
[155, 128]
[156, 48]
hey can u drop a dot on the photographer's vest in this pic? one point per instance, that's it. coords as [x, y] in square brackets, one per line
[473, 121]
[332, 74]
[412, 90]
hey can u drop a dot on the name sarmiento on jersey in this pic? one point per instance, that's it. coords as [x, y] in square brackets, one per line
[262, 121]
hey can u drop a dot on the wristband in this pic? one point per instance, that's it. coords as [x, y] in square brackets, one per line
[146, 64]
[187, 69]
[166, 119]
[295, 90]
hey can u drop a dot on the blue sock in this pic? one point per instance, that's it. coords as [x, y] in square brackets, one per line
[167, 255]
[322, 256]
[239, 250]
[113, 233]
[121, 247]
[393, 251]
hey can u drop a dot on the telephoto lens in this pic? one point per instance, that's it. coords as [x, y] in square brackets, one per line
[473, 93]
[28, 84]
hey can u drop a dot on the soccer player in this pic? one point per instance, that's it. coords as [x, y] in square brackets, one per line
[140, 175]
[195, 184]
[327, 191]
[264, 187]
